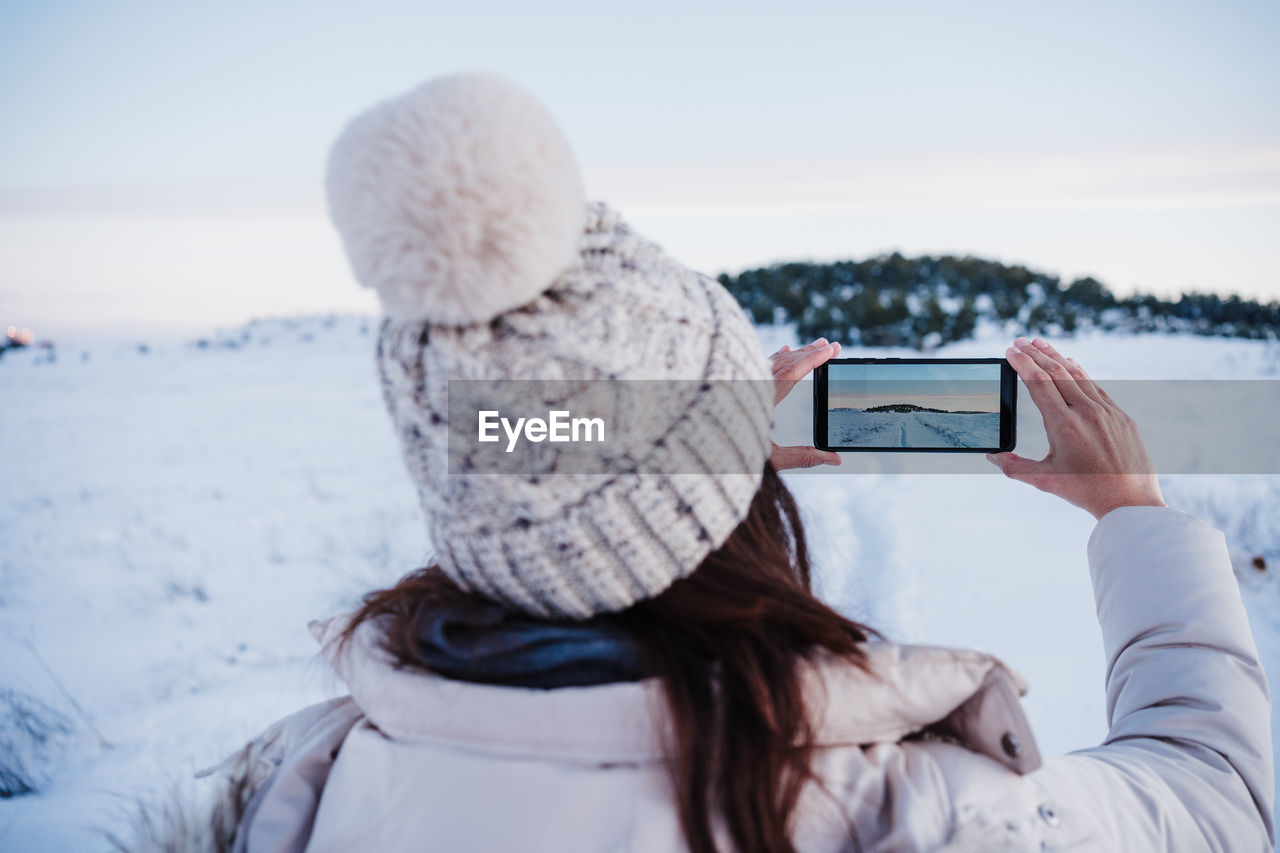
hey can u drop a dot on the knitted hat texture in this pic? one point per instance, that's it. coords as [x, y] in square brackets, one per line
[460, 203]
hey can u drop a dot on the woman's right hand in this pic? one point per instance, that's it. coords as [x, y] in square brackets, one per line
[1096, 458]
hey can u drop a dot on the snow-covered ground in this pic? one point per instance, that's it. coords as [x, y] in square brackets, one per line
[859, 428]
[171, 519]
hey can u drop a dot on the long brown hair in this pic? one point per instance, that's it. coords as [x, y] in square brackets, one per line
[725, 643]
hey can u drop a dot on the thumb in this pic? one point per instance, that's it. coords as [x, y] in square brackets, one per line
[1015, 467]
[801, 457]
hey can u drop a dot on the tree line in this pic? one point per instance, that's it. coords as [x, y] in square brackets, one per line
[922, 302]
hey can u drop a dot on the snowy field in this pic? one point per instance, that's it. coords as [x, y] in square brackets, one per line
[172, 518]
[859, 428]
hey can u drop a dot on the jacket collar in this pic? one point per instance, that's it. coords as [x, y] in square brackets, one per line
[963, 696]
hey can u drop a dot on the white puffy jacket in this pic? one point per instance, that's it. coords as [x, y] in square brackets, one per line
[934, 754]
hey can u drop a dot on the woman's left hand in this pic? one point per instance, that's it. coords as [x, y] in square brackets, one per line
[789, 367]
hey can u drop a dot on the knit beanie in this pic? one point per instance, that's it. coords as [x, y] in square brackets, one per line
[461, 204]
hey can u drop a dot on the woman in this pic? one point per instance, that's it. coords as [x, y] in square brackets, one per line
[635, 661]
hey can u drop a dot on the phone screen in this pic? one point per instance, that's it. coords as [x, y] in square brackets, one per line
[915, 404]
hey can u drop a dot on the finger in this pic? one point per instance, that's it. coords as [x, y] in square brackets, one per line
[1102, 392]
[1082, 380]
[781, 350]
[818, 357]
[1057, 371]
[1103, 396]
[1073, 367]
[1041, 388]
[782, 360]
[1017, 467]
[799, 356]
[802, 362]
[802, 457]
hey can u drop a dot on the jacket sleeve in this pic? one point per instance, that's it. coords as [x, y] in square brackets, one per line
[1187, 763]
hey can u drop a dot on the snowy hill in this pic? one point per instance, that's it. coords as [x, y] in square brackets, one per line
[173, 515]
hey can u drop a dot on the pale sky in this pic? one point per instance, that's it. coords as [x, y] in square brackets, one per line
[160, 163]
[950, 387]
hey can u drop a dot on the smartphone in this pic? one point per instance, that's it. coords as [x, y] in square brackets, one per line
[929, 405]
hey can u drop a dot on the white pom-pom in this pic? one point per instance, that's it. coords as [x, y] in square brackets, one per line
[456, 201]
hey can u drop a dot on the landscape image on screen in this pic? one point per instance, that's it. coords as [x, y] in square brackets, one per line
[922, 406]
